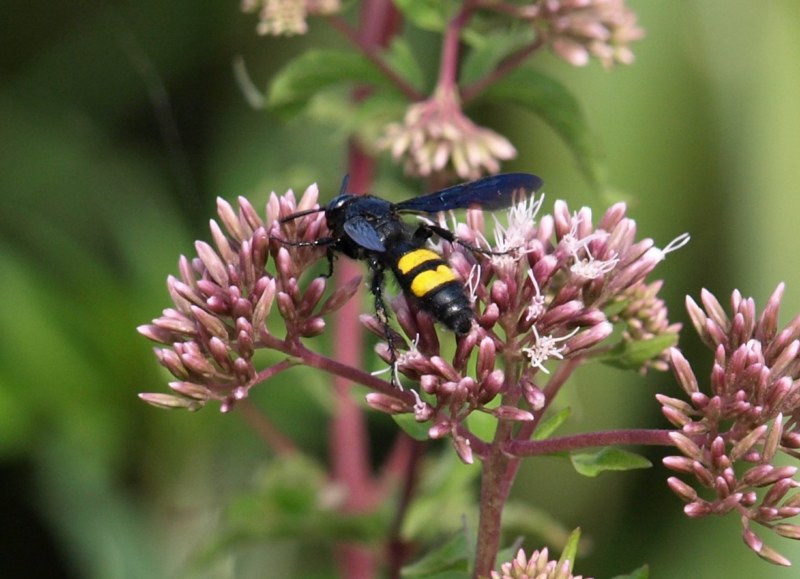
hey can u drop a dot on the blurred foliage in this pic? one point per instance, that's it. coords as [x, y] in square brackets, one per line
[122, 121]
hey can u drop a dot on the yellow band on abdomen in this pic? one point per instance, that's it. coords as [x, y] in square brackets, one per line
[414, 258]
[429, 280]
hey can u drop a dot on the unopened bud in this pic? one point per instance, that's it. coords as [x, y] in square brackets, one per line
[463, 449]
[387, 404]
[169, 401]
[214, 265]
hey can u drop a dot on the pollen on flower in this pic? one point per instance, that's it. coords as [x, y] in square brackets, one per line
[546, 347]
[579, 222]
[511, 240]
[591, 268]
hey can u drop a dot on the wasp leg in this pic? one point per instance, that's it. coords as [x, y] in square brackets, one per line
[328, 242]
[448, 236]
[376, 288]
[331, 256]
[316, 243]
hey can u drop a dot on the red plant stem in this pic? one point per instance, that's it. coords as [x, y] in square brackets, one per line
[315, 360]
[554, 385]
[495, 486]
[492, 498]
[404, 463]
[348, 432]
[645, 437]
[448, 65]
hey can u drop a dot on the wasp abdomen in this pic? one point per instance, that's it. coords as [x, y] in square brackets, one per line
[428, 278]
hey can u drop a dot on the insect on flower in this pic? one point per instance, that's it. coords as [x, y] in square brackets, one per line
[371, 229]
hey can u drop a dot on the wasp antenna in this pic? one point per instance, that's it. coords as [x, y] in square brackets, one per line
[300, 214]
[345, 181]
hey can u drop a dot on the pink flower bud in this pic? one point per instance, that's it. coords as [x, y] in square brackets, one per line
[311, 296]
[312, 327]
[512, 413]
[214, 265]
[680, 488]
[387, 404]
[491, 386]
[191, 390]
[489, 316]
[440, 430]
[264, 303]
[169, 401]
[220, 352]
[463, 449]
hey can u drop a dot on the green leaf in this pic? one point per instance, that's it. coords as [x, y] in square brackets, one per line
[570, 550]
[633, 355]
[555, 105]
[642, 572]
[288, 504]
[432, 15]
[488, 50]
[369, 117]
[451, 560]
[416, 430]
[550, 424]
[314, 71]
[592, 464]
[521, 518]
[402, 59]
[445, 492]
[482, 424]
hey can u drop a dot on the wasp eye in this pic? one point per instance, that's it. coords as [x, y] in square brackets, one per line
[338, 202]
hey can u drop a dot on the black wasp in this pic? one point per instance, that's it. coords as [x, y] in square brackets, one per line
[369, 228]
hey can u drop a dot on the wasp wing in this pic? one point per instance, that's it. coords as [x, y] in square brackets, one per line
[364, 234]
[490, 193]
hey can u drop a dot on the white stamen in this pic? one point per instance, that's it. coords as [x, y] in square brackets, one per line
[473, 282]
[674, 245]
[546, 347]
[393, 369]
[537, 307]
[592, 268]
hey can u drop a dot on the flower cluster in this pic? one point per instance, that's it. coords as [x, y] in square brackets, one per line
[645, 317]
[578, 30]
[287, 17]
[436, 137]
[225, 297]
[538, 566]
[729, 437]
[541, 293]
[545, 291]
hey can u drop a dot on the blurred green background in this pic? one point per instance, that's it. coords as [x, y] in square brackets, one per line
[120, 123]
